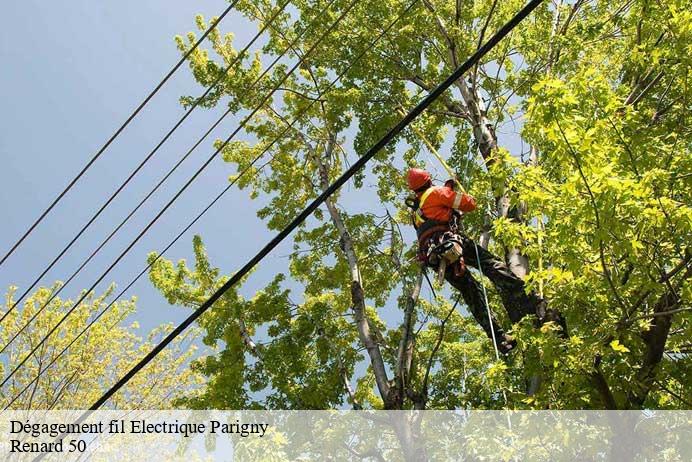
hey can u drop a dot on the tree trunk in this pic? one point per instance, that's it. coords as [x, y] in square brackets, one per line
[408, 433]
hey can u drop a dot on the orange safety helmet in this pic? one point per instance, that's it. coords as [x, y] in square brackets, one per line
[417, 178]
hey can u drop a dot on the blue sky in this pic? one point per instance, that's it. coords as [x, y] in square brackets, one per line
[72, 73]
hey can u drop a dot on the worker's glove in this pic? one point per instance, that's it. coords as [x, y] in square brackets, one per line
[412, 202]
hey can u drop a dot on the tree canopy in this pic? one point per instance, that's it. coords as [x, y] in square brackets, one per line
[573, 136]
[66, 375]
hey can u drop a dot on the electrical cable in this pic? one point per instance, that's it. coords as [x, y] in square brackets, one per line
[180, 192]
[301, 217]
[143, 163]
[213, 202]
[158, 185]
[116, 134]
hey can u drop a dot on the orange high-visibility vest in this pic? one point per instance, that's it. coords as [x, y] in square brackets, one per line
[436, 203]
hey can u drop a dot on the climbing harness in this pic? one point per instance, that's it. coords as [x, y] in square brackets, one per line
[440, 243]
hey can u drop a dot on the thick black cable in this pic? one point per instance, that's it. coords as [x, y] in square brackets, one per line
[180, 192]
[216, 199]
[146, 159]
[298, 220]
[158, 185]
[117, 133]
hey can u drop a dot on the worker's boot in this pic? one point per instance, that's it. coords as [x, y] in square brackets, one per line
[505, 343]
[545, 314]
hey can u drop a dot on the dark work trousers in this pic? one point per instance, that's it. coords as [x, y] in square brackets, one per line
[511, 288]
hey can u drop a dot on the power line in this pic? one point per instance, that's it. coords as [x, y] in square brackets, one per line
[216, 199]
[116, 134]
[180, 192]
[298, 220]
[218, 79]
[158, 185]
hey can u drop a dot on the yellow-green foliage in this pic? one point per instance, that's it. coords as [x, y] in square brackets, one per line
[599, 90]
[93, 363]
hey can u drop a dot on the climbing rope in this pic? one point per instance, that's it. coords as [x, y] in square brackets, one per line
[490, 321]
[487, 305]
[541, 229]
[434, 152]
[432, 289]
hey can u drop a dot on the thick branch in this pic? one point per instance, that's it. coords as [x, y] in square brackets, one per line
[347, 384]
[357, 292]
[655, 339]
[247, 340]
[405, 355]
[602, 387]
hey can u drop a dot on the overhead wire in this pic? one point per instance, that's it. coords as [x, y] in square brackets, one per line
[181, 190]
[219, 196]
[117, 133]
[156, 187]
[145, 161]
[339, 182]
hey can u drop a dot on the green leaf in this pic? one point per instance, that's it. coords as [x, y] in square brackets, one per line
[615, 345]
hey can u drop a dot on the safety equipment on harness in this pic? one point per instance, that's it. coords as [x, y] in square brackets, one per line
[444, 250]
[506, 344]
[450, 248]
[417, 178]
[412, 202]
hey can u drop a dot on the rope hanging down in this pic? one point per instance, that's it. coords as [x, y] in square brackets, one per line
[115, 194]
[216, 199]
[117, 133]
[158, 185]
[298, 220]
[181, 190]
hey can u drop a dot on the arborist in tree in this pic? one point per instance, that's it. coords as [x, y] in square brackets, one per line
[442, 246]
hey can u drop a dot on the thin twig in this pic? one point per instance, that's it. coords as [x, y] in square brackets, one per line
[437, 345]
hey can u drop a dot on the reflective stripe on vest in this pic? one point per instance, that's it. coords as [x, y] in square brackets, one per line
[419, 217]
